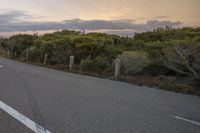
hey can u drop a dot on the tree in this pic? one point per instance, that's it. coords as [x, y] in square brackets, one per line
[184, 57]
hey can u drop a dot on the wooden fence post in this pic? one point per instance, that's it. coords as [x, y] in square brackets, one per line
[71, 62]
[117, 68]
[45, 59]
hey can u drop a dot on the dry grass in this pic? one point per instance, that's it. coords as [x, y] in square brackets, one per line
[162, 82]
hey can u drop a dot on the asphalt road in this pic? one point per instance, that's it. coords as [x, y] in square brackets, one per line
[62, 102]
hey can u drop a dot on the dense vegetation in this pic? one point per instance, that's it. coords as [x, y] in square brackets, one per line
[167, 58]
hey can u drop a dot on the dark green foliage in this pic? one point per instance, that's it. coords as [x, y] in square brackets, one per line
[18, 43]
[169, 34]
[99, 49]
[98, 64]
[34, 54]
[57, 50]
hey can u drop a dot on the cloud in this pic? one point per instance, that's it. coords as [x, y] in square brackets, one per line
[160, 17]
[16, 21]
[10, 16]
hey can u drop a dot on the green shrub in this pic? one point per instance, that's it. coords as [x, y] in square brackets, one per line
[155, 50]
[34, 53]
[110, 51]
[133, 61]
[58, 52]
[19, 43]
[99, 63]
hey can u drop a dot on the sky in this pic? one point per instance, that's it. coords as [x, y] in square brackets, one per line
[123, 17]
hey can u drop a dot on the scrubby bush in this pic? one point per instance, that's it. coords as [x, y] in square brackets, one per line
[83, 46]
[133, 61]
[20, 43]
[184, 57]
[131, 44]
[99, 63]
[110, 52]
[155, 50]
[57, 50]
[34, 54]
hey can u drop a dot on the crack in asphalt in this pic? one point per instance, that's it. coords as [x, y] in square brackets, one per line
[33, 103]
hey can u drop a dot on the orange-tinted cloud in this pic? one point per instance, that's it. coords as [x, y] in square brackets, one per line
[186, 11]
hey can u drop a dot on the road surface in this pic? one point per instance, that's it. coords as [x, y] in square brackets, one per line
[61, 102]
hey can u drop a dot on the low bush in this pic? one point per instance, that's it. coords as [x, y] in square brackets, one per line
[133, 61]
[99, 63]
[157, 70]
[34, 54]
[57, 52]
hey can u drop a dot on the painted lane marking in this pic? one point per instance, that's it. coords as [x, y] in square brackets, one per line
[187, 120]
[1, 66]
[23, 119]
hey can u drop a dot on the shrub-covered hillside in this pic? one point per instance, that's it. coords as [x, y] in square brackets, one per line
[164, 58]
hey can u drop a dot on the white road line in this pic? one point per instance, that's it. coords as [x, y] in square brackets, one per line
[23, 119]
[1, 66]
[187, 120]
